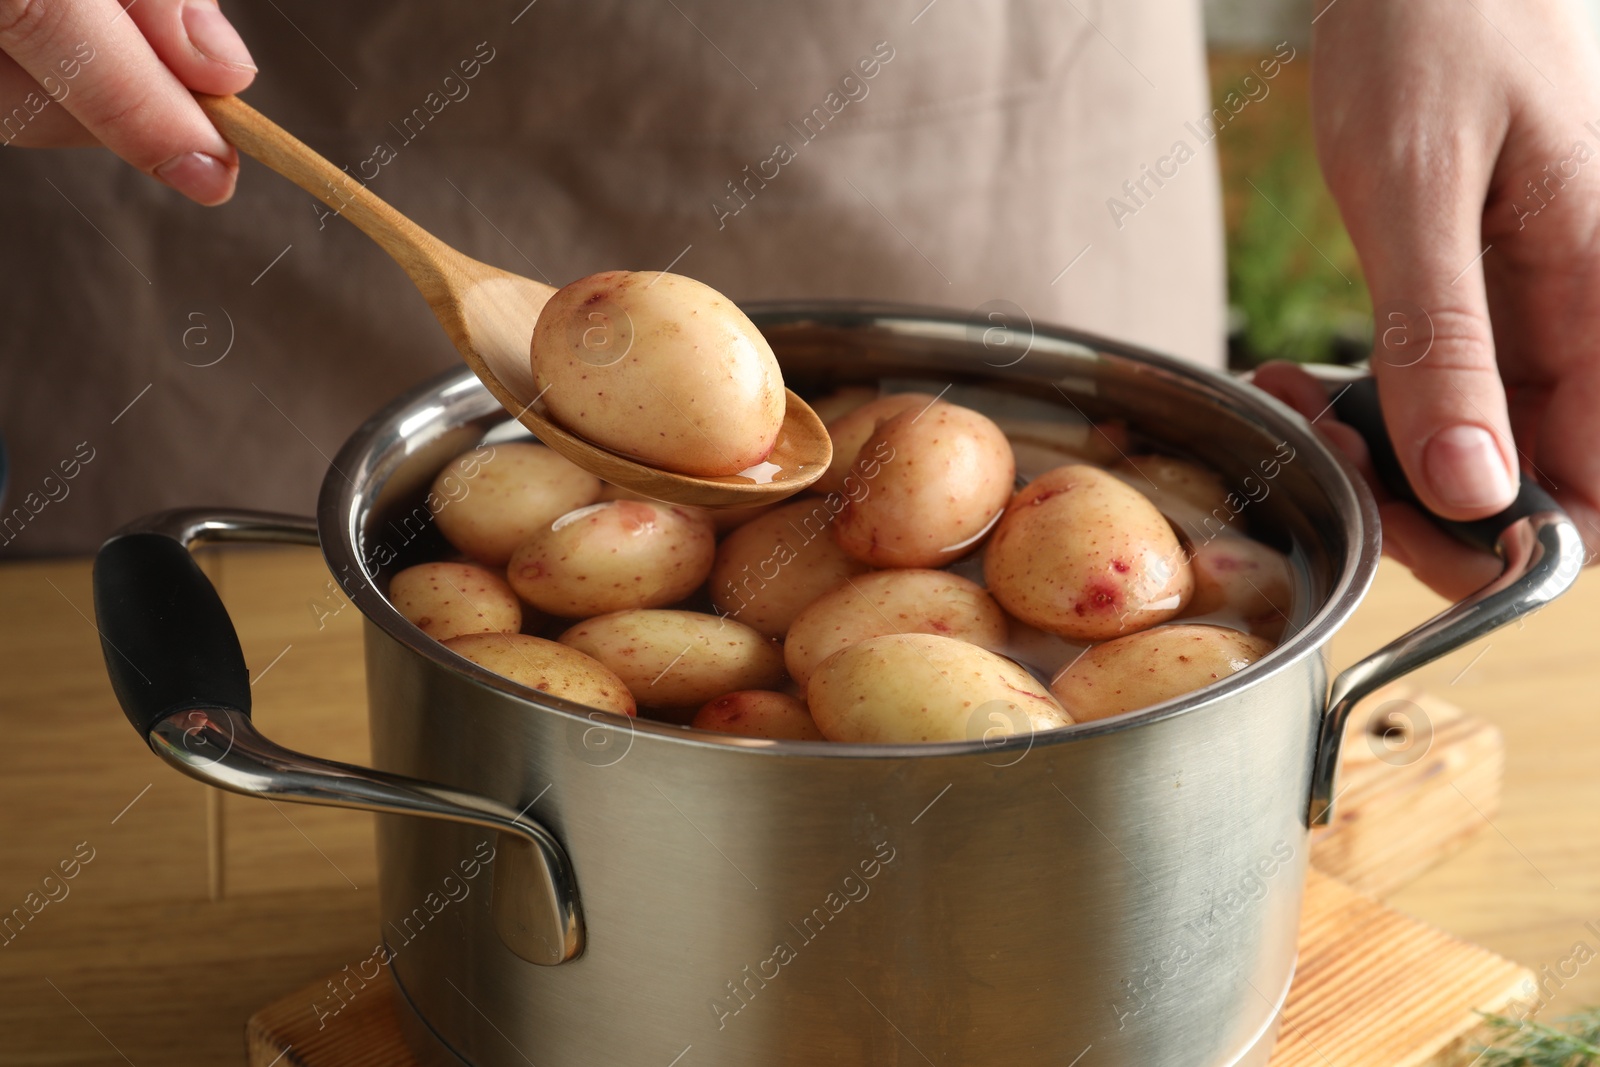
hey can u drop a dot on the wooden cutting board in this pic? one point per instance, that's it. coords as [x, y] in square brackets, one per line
[1373, 988]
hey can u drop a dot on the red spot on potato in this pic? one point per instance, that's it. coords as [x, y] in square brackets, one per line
[1047, 494]
[1099, 596]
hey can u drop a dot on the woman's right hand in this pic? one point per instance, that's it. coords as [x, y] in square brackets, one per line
[83, 72]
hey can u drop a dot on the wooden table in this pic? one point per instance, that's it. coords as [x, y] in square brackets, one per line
[136, 963]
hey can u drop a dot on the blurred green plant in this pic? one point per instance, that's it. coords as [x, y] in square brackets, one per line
[1295, 287]
[1292, 271]
[1573, 1042]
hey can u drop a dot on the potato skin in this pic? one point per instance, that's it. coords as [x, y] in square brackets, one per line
[548, 667]
[446, 600]
[851, 430]
[511, 490]
[758, 713]
[1146, 668]
[661, 368]
[769, 569]
[891, 602]
[678, 659]
[841, 401]
[1080, 554]
[1249, 581]
[902, 688]
[722, 519]
[1198, 486]
[943, 474]
[613, 556]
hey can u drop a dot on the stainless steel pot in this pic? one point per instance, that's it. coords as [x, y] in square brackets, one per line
[1121, 892]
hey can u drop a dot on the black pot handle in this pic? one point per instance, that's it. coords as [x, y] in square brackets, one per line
[1542, 555]
[168, 642]
[180, 676]
[1357, 406]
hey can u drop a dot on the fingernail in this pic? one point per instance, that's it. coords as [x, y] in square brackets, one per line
[202, 178]
[1466, 470]
[214, 37]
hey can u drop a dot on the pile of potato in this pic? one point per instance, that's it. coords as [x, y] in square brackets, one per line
[919, 595]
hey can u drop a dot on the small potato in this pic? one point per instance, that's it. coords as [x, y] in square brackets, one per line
[1188, 481]
[850, 431]
[841, 401]
[1147, 668]
[759, 713]
[1245, 580]
[496, 496]
[935, 480]
[678, 659]
[772, 567]
[726, 520]
[548, 667]
[1191, 495]
[446, 600]
[1081, 554]
[1098, 443]
[891, 602]
[661, 368]
[922, 687]
[722, 519]
[613, 556]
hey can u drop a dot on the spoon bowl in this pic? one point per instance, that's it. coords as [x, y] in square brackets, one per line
[489, 315]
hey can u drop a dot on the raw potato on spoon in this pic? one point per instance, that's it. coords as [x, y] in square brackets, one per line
[492, 315]
[661, 368]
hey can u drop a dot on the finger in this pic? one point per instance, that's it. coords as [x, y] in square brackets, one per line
[114, 84]
[1410, 537]
[1290, 383]
[1418, 236]
[1448, 567]
[30, 117]
[1567, 449]
[197, 43]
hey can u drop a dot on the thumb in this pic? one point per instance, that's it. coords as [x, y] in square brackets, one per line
[110, 80]
[1433, 347]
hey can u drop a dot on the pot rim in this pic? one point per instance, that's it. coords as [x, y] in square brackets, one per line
[1348, 493]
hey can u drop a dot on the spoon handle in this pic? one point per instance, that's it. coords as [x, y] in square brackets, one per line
[415, 249]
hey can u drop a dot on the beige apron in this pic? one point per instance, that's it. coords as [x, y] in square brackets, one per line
[952, 153]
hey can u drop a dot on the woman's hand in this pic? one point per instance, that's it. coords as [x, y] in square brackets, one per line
[82, 72]
[1461, 139]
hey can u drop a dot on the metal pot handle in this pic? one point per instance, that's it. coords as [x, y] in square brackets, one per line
[180, 676]
[1542, 552]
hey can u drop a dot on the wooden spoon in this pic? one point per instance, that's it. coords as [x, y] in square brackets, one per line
[490, 313]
